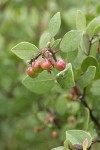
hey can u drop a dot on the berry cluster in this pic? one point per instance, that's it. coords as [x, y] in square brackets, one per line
[49, 61]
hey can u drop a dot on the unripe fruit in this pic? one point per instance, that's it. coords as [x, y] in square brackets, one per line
[31, 73]
[54, 134]
[36, 66]
[46, 64]
[60, 65]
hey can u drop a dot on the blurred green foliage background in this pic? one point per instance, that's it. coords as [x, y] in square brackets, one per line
[20, 110]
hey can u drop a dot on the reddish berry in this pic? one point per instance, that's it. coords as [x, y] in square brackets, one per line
[60, 65]
[46, 64]
[54, 134]
[36, 66]
[31, 73]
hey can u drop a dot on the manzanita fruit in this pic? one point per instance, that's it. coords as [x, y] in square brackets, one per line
[31, 73]
[60, 65]
[46, 64]
[36, 66]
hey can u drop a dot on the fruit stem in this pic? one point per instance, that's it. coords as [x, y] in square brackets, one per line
[33, 59]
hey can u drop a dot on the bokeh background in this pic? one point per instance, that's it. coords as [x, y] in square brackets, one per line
[21, 111]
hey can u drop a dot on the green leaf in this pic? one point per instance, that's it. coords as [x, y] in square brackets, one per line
[97, 75]
[54, 24]
[65, 78]
[58, 148]
[25, 50]
[44, 39]
[61, 105]
[68, 144]
[42, 84]
[85, 43]
[80, 21]
[70, 56]
[88, 61]
[91, 129]
[71, 41]
[87, 116]
[56, 43]
[96, 30]
[95, 89]
[79, 59]
[87, 77]
[92, 25]
[78, 136]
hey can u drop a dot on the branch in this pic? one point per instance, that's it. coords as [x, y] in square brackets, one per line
[90, 44]
[83, 101]
[95, 141]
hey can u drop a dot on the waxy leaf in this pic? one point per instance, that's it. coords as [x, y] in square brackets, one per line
[70, 56]
[87, 77]
[95, 89]
[80, 21]
[97, 29]
[54, 24]
[78, 137]
[25, 50]
[87, 117]
[79, 59]
[65, 78]
[41, 84]
[68, 144]
[88, 61]
[97, 75]
[44, 39]
[85, 43]
[71, 41]
[56, 43]
[92, 25]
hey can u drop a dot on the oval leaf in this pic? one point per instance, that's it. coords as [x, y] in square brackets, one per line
[25, 50]
[88, 61]
[85, 43]
[44, 39]
[97, 29]
[54, 24]
[80, 21]
[56, 43]
[42, 84]
[71, 41]
[95, 89]
[87, 77]
[78, 137]
[92, 25]
[68, 144]
[70, 56]
[65, 78]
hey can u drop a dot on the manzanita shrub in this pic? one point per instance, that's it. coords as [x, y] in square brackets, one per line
[71, 63]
